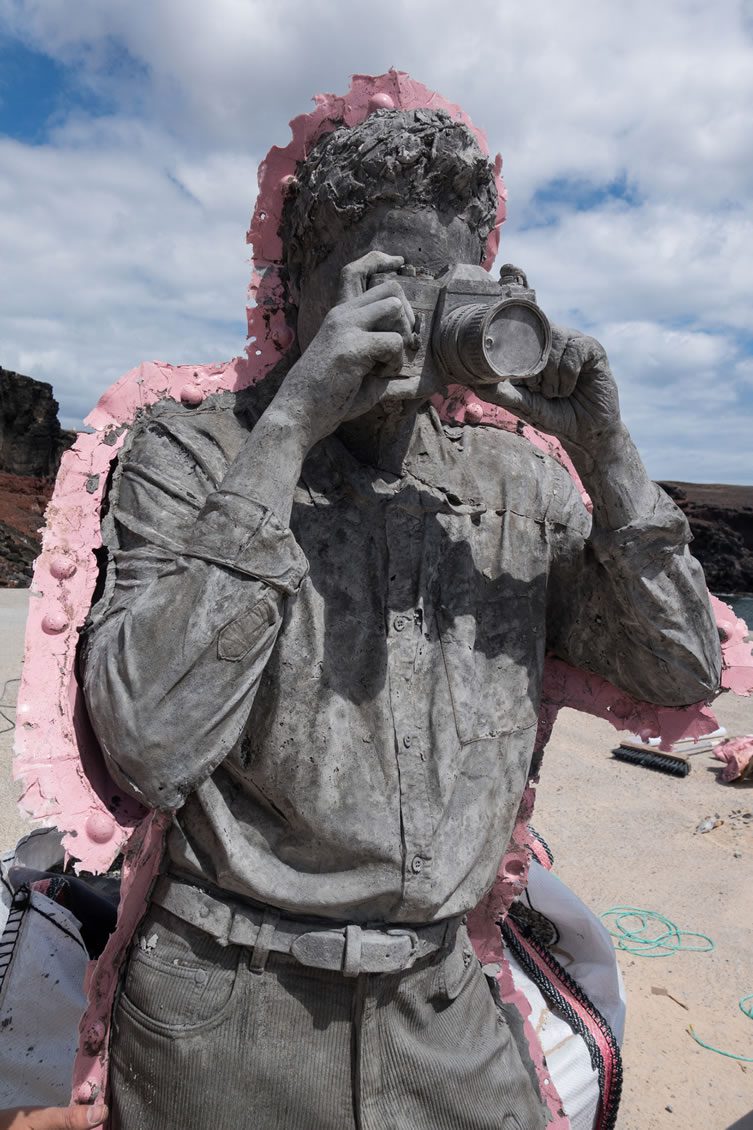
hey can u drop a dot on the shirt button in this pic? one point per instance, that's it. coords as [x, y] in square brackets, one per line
[204, 911]
[417, 864]
[201, 977]
[399, 623]
[407, 741]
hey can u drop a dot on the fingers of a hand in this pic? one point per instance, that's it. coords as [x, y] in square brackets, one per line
[389, 289]
[530, 406]
[60, 1118]
[354, 276]
[572, 352]
[387, 349]
[564, 380]
[386, 314]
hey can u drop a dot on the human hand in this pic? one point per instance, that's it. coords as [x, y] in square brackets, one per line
[358, 348]
[53, 1117]
[575, 398]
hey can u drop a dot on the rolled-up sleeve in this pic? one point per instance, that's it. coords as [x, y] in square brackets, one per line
[193, 602]
[632, 605]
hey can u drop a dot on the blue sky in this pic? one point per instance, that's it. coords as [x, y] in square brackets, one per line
[130, 134]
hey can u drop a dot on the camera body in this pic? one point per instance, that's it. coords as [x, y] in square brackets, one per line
[472, 329]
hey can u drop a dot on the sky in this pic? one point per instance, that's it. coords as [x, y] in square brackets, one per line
[131, 130]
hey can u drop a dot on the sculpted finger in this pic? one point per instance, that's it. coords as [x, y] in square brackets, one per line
[531, 407]
[389, 289]
[386, 350]
[386, 314]
[354, 276]
[571, 365]
[548, 382]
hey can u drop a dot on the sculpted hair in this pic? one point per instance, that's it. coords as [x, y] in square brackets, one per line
[413, 158]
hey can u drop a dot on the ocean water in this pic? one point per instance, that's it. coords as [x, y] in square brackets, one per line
[741, 603]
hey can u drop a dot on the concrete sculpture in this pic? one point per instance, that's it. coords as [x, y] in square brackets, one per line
[332, 630]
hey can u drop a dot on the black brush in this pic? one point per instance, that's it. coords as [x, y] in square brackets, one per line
[651, 758]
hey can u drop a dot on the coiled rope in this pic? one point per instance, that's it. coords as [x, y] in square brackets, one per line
[635, 939]
[641, 937]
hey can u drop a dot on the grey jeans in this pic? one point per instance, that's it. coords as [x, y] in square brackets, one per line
[201, 1041]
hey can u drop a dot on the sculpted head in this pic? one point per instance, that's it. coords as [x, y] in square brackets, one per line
[408, 182]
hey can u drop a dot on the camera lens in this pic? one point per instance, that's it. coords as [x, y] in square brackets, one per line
[486, 343]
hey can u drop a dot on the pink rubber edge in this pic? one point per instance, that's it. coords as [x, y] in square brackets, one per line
[736, 755]
[57, 758]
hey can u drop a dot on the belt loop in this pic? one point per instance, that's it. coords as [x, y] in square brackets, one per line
[263, 942]
[353, 947]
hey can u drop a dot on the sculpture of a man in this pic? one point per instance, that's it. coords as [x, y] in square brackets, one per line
[321, 642]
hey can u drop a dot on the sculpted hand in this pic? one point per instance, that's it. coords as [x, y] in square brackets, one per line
[362, 335]
[53, 1118]
[575, 398]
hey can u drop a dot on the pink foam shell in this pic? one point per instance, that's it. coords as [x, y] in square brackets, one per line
[65, 782]
[736, 754]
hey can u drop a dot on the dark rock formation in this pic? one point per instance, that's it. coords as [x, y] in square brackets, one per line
[22, 504]
[31, 439]
[721, 518]
[31, 443]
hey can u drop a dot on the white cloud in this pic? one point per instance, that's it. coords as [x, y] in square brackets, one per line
[120, 255]
[126, 231]
[659, 260]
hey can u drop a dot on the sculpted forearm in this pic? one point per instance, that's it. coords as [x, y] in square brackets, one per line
[615, 478]
[268, 467]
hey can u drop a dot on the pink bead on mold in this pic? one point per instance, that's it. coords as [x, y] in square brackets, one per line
[381, 102]
[99, 827]
[191, 395]
[514, 868]
[54, 623]
[283, 337]
[86, 1092]
[474, 412]
[62, 567]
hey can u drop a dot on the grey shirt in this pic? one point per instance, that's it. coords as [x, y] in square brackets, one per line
[343, 713]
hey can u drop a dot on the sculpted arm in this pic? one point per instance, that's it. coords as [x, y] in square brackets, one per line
[196, 586]
[628, 601]
[204, 561]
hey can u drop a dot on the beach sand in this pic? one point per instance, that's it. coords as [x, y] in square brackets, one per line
[621, 835]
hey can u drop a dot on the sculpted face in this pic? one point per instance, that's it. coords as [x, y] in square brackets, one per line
[423, 237]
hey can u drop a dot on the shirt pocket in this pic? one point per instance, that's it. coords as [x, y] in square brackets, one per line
[493, 659]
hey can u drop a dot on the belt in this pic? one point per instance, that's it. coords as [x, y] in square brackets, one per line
[348, 949]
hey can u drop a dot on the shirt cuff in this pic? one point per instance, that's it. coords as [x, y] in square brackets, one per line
[648, 540]
[239, 533]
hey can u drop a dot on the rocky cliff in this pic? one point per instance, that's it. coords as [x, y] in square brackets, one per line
[721, 520]
[31, 443]
[31, 439]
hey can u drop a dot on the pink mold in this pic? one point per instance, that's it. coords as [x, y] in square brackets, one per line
[736, 754]
[57, 757]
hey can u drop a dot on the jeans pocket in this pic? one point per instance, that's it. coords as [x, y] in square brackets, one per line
[177, 978]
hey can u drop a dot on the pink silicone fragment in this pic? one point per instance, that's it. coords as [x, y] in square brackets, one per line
[141, 864]
[737, 757]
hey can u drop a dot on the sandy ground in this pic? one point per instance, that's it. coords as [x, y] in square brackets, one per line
[621, 835]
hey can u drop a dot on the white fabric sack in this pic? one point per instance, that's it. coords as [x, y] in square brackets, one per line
[585, 949]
